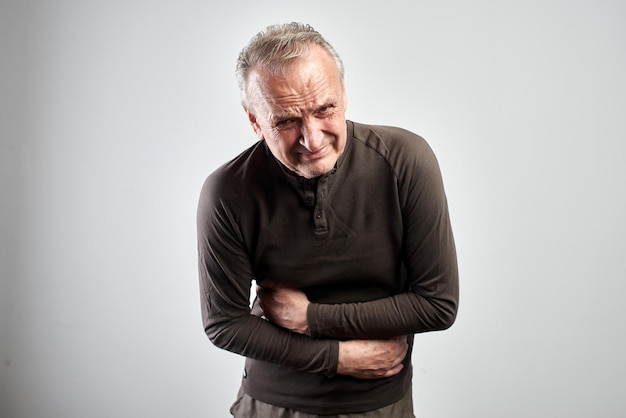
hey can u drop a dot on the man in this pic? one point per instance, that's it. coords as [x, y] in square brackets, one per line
[345, 229]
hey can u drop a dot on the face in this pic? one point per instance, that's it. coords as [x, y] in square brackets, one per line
[301, 113]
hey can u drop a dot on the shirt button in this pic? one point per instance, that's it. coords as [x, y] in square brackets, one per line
[318, 214]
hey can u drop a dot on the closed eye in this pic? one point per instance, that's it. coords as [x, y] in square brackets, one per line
[284, 123]
[323, 110]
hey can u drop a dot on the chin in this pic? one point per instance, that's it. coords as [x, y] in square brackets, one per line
[311, 172]
[314, 168]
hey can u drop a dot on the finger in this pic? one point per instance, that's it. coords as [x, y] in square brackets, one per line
[379, 374]
[398, 361]
[394, 371]
[404, 348]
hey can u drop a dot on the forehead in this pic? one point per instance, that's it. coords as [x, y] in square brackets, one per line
[310, 80]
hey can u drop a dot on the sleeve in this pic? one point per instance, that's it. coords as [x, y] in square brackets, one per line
[225, 281]
[429, 256]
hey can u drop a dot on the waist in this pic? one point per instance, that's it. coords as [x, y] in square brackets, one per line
[318, 394]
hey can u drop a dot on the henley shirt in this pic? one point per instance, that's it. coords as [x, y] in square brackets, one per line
[370, 244]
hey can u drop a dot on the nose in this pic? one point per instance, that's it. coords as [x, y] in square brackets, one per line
[312, 135]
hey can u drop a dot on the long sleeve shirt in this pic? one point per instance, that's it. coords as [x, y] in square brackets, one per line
[370, 243]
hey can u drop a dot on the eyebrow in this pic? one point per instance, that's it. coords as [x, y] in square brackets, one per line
[277, 117]
[281, 117]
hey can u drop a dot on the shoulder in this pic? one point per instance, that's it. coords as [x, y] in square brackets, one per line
[398, 146]
[227, 184]
[373, 134]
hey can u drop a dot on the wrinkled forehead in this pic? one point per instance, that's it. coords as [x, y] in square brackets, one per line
[302, 76]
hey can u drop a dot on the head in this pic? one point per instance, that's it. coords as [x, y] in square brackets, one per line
[292, 90]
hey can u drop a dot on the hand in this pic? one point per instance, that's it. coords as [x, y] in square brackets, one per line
[284, 306]
[372, 359]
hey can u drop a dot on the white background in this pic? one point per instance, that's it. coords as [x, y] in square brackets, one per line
[113, 113]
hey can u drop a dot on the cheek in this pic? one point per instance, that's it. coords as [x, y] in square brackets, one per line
[283, 140]
[337, 122]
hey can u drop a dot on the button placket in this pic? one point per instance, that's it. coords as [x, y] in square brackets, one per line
[319, 217]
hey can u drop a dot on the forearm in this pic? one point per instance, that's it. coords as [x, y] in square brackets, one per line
[403, 314]
[253, 337]
[431, 306]
[225, 279]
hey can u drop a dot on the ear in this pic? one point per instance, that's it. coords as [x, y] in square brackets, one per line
[254, 123]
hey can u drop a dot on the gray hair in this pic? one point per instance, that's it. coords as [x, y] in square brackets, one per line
[275, 47]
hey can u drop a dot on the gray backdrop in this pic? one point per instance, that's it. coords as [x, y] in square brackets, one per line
[113, 113]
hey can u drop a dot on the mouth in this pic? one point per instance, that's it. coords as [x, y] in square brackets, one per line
[317, 154]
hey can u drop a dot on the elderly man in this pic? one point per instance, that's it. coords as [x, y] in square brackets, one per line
[345, 229]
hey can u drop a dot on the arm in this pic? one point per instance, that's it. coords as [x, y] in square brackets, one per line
[225, 279]
[431, 297]
[430, 300]
[364, 359]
